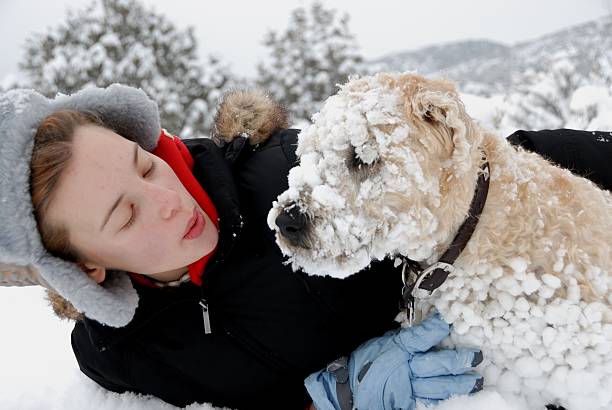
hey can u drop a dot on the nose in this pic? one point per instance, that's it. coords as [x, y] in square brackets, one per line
[168, 200]
[292, 224]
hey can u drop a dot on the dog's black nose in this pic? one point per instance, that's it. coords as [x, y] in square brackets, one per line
[292, 224]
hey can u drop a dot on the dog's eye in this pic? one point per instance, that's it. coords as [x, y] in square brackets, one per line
[356, 162]
[428, 114]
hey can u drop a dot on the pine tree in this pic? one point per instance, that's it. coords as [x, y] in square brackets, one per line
[309, 59]
[121, 41]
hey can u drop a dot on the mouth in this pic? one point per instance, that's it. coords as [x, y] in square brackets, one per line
[195, 225]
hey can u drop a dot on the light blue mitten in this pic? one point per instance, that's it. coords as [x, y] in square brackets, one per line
[397, 369]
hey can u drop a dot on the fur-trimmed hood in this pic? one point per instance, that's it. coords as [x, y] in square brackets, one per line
[250, 113]
[24, 260]
[62, 308]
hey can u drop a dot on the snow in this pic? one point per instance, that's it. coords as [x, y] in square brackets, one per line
[594, 105]
[38, 368]
[485, 400]
[559, 97]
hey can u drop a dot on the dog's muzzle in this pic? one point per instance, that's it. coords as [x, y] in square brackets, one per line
[292, 224]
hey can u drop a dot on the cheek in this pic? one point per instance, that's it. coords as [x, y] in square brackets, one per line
[151, 246]
[155, 245]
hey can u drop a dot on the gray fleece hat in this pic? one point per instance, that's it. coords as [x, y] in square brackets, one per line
[23, 258]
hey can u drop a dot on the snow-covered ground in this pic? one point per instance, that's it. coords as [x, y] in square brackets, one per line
[39, 372]
[38, 368]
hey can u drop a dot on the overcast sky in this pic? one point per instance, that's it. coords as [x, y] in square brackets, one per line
[234, 30]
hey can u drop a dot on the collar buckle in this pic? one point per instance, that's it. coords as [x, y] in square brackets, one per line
[431, 278]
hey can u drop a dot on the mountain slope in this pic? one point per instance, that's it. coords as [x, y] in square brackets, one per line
[486, 67]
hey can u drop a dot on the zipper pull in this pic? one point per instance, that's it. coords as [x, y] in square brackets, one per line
[206, 317]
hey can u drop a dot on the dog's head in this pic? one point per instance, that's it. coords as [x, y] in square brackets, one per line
[376, 166]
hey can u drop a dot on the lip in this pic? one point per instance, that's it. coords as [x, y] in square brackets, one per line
[195, 226]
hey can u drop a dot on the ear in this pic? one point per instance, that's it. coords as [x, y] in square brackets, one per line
[96, 272]
[439, 113]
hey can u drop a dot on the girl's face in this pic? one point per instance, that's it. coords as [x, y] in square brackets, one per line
[144, 232]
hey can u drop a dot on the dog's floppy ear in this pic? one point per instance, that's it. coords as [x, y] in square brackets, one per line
[438, 112]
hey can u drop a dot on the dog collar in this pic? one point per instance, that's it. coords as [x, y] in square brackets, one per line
[429, 279]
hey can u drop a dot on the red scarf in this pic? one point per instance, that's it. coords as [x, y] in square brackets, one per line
[172, 150]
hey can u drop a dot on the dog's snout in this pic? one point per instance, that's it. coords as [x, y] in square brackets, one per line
[292, 224]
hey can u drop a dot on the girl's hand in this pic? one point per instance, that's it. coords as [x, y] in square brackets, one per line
[397, 369]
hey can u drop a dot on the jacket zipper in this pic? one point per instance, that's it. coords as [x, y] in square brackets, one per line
[203, 303]
[205, 316]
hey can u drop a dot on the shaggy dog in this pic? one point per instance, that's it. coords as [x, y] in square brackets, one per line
[389, 168]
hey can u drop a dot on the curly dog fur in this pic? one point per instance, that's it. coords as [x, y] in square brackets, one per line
[389, 167]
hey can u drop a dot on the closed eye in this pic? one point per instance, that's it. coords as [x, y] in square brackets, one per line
[132, 219]
[151, 169]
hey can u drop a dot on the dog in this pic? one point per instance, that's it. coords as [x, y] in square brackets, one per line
[392, 167]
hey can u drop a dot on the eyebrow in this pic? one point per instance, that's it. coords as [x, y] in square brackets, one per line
[118, 200]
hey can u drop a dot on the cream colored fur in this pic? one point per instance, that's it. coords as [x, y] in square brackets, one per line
[533, 286]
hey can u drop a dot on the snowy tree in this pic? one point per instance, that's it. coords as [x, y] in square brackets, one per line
[561, 96]
[308, 60]
[601, 69]
[542, 100]
[121, 41]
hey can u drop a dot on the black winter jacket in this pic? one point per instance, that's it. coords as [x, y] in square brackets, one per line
[586, 153]
[271, 327]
